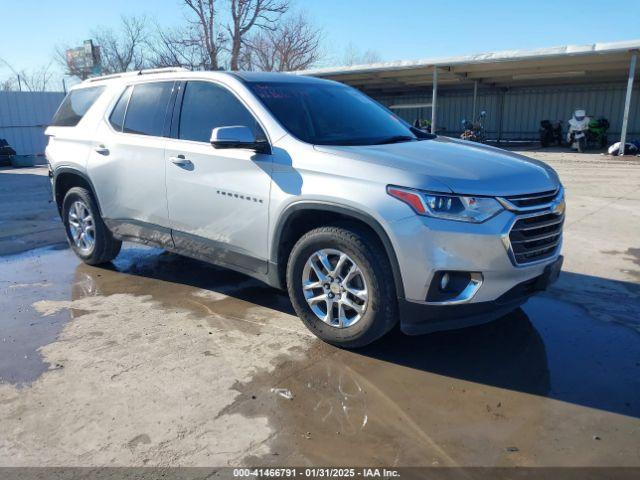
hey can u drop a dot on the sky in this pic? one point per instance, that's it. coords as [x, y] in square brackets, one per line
[396, 30]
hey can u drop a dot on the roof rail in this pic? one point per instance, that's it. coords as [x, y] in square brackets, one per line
[148, 71]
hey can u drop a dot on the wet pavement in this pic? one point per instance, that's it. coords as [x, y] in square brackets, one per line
[162, 360]
[547, 384]
[28, 219]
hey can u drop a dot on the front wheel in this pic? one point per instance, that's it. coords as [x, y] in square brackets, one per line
[582, 144]
[87, 234]
[341, 285]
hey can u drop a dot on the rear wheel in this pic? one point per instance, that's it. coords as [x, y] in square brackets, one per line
[341, 286]
[87, 234]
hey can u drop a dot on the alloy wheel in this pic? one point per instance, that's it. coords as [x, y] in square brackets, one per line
[82, 227]
[335, 288]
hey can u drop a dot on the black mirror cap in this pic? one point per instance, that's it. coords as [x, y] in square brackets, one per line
[260, 146]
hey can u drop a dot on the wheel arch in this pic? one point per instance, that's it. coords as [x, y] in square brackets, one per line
[65, 178]
[292, 224]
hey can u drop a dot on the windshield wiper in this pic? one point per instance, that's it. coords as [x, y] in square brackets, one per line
[396, 139]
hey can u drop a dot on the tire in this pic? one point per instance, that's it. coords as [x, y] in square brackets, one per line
[582, 143]
[362, 249]
[104, 247]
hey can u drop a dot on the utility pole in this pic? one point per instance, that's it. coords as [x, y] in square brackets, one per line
[434, 100]
[627, 102]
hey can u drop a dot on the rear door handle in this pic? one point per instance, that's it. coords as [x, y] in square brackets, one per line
[181, 161]
[102, 150]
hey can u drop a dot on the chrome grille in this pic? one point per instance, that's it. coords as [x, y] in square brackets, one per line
[536, 237]
[530, 202]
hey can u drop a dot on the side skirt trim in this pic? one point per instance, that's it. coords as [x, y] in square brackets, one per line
[193, 246]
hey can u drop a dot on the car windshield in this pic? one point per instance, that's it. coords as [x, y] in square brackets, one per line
[331, 114]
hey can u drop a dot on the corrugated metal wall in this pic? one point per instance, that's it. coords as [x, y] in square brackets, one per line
[24, 115]
[23, 118]
[525, 107]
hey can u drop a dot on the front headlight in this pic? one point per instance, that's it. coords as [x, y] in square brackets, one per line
[460, 208]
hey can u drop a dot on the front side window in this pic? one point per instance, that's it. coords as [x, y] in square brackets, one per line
[206, 106]
[75, 105]
[147, 108]
[331, 114]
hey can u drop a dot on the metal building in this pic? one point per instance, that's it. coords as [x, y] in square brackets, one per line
[517, 89]
[23, 118]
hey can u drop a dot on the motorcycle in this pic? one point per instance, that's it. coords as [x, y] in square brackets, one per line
[474, 131]
[597, 134]
[585, 132]
[424, 125]
[6, 152]
[578, 127]
[550, 133]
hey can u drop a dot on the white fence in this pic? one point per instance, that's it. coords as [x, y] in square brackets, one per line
[23, 118]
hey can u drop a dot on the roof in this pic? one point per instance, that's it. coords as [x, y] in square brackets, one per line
[272, 77]
[172, 72]
[570, 63]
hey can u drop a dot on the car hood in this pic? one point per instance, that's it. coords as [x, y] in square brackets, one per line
[464, 167]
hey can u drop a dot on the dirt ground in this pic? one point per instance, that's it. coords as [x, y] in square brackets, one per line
[160, 360]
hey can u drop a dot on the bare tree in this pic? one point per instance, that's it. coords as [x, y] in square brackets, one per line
[37, 80]
[8, 84]
[179, 47]
[29, 80]
[124, 49]
[353, 56]
[249, 14]
[293, 45]
[205, 31]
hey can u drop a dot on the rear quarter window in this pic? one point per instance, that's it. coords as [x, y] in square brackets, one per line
[75, 105]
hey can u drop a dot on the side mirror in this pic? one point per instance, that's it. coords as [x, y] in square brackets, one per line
[238, 137]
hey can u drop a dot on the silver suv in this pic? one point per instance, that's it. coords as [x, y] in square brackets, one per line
[310, 186]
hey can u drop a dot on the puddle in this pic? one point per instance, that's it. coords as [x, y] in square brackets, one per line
[536, 386]
[175, 282]
[24, 279]
[542, 378]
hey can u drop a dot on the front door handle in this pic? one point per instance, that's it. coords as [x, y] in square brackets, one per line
[180, 161]
[102, 150]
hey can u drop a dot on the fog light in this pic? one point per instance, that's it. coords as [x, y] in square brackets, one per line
[453, 287]
[444, 281]
[447, 284]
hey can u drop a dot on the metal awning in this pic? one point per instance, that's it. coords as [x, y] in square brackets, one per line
[572, 64]
[556, 65]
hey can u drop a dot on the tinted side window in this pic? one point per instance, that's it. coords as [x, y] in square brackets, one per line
[116, 119]
[75, 105]
[206, 106]
[147, 108]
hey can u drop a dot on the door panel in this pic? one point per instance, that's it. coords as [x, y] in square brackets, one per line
[220, 202]
[218, 199]
[128, 169]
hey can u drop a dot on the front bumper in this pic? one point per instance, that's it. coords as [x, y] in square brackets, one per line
[427, 246]
[420, 318]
